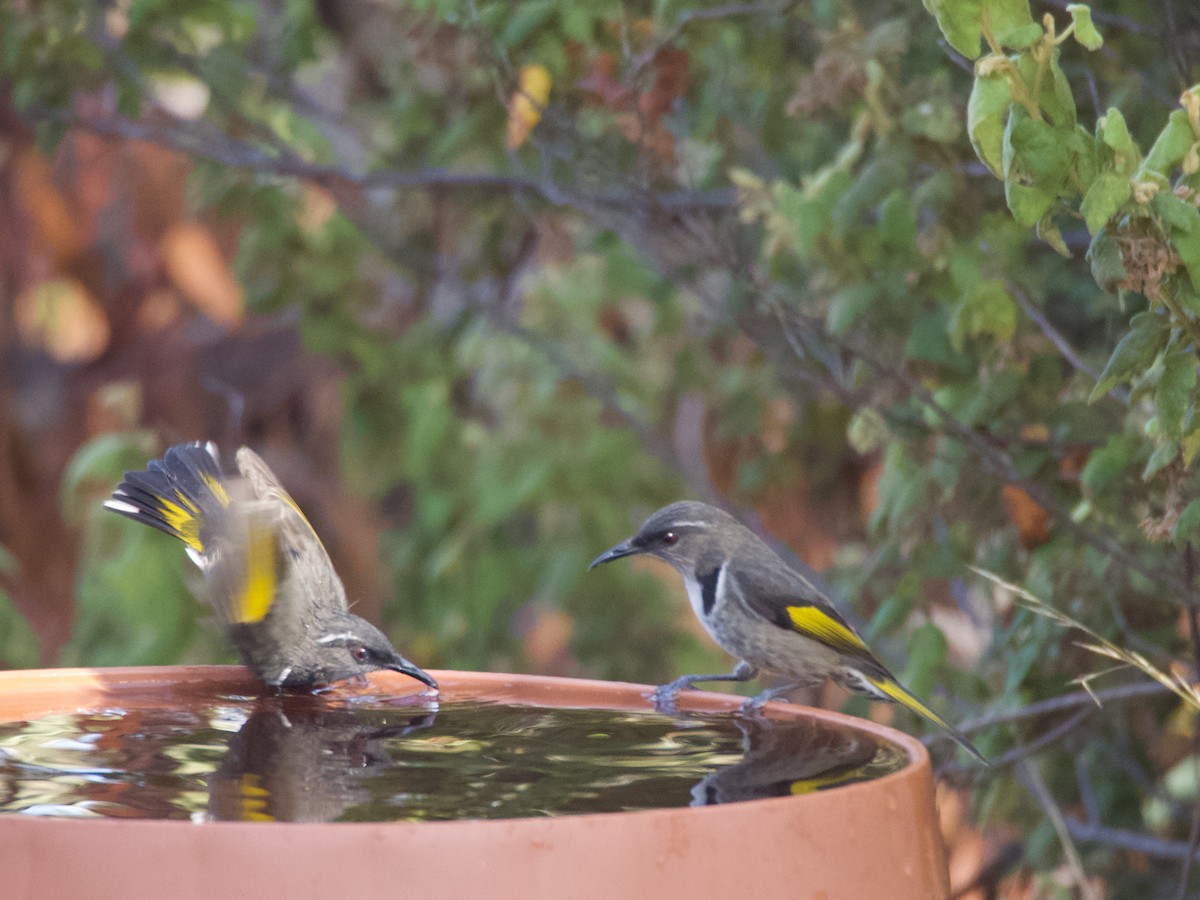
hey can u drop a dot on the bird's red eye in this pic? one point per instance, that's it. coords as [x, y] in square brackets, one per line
[361, 654]
[670, 538]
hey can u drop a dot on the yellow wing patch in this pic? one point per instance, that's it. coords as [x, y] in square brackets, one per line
[258, 589]
[904, 698]
[214, 485]
[183, 519]
[815, 623]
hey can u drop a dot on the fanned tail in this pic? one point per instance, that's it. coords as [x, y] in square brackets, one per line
[177, 495]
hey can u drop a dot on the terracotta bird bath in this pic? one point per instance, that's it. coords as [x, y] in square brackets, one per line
[869, 840]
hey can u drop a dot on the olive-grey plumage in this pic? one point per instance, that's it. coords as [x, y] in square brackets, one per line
[761, 610]
[269, 577]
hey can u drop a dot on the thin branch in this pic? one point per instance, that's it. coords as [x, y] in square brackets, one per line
[1023, 751]
[1032, 780]
[1061, 343]
[1065, 702]
[218, 147]
[1087, 790]
[1135, 841]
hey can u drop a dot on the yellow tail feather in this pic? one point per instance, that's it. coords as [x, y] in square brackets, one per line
[895, 691]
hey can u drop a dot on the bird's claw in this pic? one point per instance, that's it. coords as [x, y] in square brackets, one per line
[665, 696]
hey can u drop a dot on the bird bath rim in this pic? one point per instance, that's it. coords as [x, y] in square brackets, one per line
[781, 846]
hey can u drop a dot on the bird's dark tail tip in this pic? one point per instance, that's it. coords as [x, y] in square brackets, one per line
[174, 494]
[967, 745]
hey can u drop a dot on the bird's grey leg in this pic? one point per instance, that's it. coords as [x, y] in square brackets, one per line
[756, 703]
[664, 695]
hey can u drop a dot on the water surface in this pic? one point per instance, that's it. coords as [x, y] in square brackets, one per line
[324, 758]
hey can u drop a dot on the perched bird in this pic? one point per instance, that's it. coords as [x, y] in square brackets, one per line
[268, 575]
[762, 611]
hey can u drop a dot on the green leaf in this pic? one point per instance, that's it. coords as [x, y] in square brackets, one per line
[1105, 465]
[1027, 203]
[1170, 147]
[807, 213]
[1007, 16]
[959, 21]
[991, 96]
[1190, 444]
[874, 181]
[1107, 194]
[1049, 232]
[1108, 266]
[1054, 98]
[1085, 30]
[1164, 454]
[525, 19]
[1115, 133]
[1036, 159]
[893, 612]
[1187, 243]
[867, 431]
[847, 304]
[1186, 527]
[988, 309]
[1135, 353]
[927, 651]
[1085, 157]
[1175, 212]
[1173, 394]
[1022, 37]
[929, 341]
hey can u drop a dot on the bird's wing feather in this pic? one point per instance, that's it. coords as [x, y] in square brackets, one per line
[800, 607]
[792, 602]
[246, 568]
[298, 541]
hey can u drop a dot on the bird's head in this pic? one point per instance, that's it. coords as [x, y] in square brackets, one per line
[684, 534]
[349, 646]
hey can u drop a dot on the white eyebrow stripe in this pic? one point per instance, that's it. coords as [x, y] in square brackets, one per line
[340, 636]
[689, 525]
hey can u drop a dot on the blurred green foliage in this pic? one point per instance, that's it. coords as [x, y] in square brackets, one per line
[983, 276]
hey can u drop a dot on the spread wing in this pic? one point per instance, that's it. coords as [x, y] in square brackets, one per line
[271, 557]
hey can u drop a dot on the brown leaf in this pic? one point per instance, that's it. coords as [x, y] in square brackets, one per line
[671, 82]
[1032, 521]
[62, 318]
[600, 81]
[53, 219]
[195, 265]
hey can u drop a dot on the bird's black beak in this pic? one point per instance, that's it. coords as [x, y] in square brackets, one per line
[400, 664]
[625, 548]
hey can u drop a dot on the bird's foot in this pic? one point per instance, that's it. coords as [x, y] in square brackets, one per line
[665, 696]
[754, 705]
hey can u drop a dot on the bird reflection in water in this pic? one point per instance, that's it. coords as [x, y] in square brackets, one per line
[300, 758]
[797, 756]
